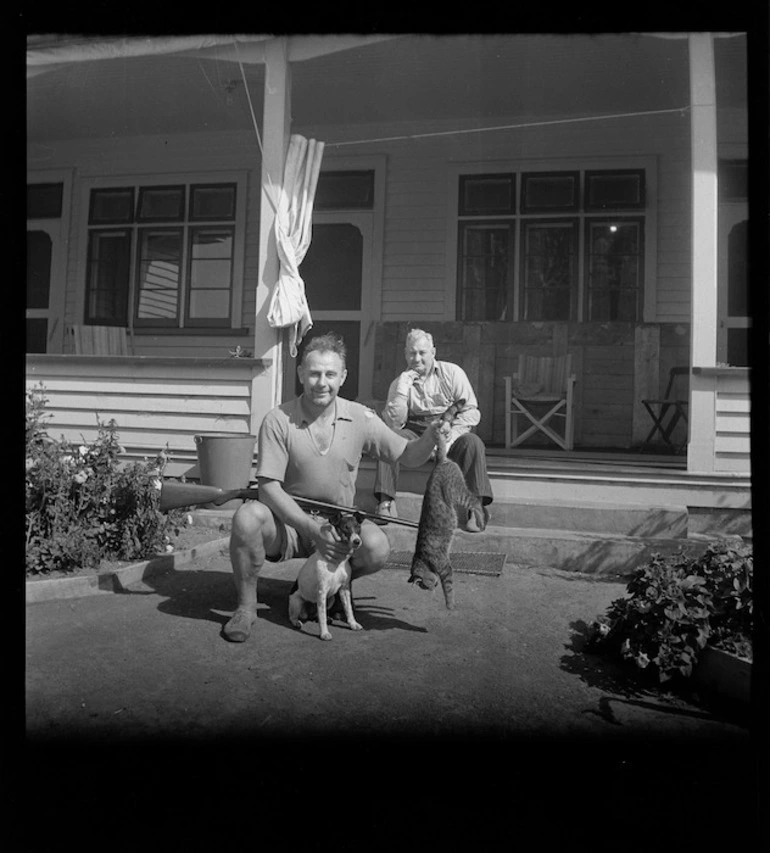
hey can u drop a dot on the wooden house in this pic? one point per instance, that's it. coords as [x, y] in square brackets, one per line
[513, 195]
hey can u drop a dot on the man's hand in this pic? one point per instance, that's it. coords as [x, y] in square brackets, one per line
[329, 544]
[406, 380]
[438, 428]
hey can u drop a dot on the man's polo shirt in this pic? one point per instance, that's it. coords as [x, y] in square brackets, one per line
[286, 451]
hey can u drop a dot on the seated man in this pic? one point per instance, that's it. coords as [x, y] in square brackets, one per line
[423, 391]
[310, 447]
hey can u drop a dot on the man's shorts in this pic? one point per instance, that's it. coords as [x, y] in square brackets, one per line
[293, 543]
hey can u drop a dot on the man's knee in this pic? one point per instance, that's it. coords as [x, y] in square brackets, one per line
[468, 445]
[250, 519]
[373, 553]
[253, 528]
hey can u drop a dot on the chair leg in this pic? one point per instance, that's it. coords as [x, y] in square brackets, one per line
[539, 425]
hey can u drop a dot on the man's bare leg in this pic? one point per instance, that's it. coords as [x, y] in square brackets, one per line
[253, 535]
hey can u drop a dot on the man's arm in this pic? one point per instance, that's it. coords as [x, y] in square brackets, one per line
[396, 410]
[419, 449]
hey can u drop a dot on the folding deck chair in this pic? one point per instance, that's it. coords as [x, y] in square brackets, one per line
[667, 412]
[537, 382]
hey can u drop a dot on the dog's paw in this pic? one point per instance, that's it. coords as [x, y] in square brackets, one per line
[297, 625]
[355, 626]
[326, 636]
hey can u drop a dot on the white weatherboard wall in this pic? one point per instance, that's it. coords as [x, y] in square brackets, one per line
[419, 252]
[732, 440]
[157, 403]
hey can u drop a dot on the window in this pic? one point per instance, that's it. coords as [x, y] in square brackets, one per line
[164, 252]
[549, 261]
[353, 190]
[569, 247]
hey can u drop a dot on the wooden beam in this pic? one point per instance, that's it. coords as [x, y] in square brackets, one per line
[308, 47]
[703, 330]
[275, 138]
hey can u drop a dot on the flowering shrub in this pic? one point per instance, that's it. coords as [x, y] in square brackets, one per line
[82, 505]
[677, 606]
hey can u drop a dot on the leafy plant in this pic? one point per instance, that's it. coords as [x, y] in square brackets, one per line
[677, 606]
[83, 505]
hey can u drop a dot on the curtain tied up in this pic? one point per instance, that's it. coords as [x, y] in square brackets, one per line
[293, 226]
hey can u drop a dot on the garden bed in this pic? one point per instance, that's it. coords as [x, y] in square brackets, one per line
[189, 537]
[723, 675]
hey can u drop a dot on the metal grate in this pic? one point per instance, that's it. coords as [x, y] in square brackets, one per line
[470, 563]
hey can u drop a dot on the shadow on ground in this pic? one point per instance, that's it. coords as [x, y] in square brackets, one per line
[210, 596]
[617, 681]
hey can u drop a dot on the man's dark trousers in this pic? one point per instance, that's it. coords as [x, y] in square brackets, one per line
[467, 451]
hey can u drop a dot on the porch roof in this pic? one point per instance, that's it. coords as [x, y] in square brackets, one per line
[102, 88]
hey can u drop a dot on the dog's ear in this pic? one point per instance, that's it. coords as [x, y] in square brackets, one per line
[335, 518]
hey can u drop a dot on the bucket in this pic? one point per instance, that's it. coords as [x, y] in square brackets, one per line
[225, 460]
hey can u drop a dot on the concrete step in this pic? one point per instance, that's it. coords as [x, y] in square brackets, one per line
[574, 551]
[589, 517]
[589, 552]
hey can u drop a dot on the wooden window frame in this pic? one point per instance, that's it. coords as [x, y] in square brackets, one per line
[204, 322]
[508, 294]
[574, 226]
[235, 178]
[588, 290]
[648, 307]
[553, 210]
[149, 220]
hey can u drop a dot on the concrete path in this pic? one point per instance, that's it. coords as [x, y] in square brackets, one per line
[145, 677]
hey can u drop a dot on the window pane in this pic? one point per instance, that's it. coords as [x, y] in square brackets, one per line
[544, 192]
[487, 194]
[211, 264]
[161, 203]
[39, 250]
[112, 206]
[614, 258]
[159, 274]
[108, 271]
[549, 261]
[613, 190]
[333, 267]
[212, 201]
[344, 191]
[44, 201]
[485, 266]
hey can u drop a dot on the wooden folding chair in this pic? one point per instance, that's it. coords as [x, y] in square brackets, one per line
[667, 412]
[100, 340]
[537, 382]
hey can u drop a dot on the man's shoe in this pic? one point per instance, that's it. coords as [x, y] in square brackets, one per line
[387, 509]
[238, 629]
[472, 525]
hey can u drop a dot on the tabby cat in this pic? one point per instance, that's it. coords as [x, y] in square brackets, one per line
[446, 495]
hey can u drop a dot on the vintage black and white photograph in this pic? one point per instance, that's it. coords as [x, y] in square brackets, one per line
[390, 401]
